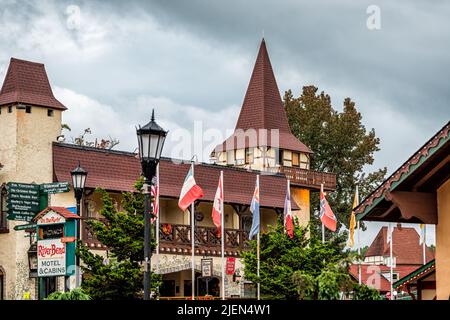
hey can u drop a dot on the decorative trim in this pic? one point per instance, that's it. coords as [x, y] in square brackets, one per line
[407, 168]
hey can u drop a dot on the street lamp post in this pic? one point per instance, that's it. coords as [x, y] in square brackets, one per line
[151, 139]
[78, 180]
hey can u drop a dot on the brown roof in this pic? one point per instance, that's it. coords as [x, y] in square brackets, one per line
[427, 151]
[27, 82]
[406, 247]
[61, 210]
[367, 272]
[118, 171]
[263, 109]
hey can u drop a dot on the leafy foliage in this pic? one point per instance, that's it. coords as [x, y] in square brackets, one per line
[75, 294]
[299, 268]
[341, 144]
[121, 275]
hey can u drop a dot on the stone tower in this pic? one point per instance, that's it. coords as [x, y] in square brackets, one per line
[30, 120]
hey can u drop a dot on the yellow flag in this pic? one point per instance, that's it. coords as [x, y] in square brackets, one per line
[353, 220]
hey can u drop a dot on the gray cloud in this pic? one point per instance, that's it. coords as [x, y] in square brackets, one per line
[193, 60]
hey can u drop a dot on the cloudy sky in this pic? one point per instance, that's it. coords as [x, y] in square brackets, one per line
[111, 63]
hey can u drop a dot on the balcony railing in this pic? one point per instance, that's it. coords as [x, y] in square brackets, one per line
[307, 178]
[176, 238]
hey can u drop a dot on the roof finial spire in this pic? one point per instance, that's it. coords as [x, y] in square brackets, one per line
[153, 114]
[262, 34]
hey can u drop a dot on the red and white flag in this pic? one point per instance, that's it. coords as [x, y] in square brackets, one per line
[288, 222]
[326, 214]
[155, 195]
[189, 192]
[217, 209]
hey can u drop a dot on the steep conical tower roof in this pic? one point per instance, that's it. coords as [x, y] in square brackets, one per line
[263, 109]
[27, 82]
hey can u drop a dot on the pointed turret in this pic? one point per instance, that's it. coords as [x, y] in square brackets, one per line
[262, 107]
[26, 82]
[263, 114]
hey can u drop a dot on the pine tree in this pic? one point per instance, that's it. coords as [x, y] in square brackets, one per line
[121, 275]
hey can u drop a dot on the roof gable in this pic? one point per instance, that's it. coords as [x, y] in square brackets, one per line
[27, 82]
[406, 247]
[53, 212]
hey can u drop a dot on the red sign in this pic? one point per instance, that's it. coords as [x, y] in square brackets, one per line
[231, 263]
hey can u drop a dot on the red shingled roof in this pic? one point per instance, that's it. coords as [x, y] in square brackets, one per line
[61, 210]
[406, 247]
[118, 171]
[368, 272]
[263, 108]
[27, 82]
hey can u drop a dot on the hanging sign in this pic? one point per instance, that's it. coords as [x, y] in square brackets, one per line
[231, 264]
[51, 258]
[207, 267]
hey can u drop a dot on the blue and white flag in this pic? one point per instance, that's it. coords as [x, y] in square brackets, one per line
[254, 209]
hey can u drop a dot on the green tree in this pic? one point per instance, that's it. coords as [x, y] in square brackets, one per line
[341, 145]
[121, 275]
[75, 294]
[299, 268]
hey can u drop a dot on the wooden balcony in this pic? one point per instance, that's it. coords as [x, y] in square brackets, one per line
[307, 178]
[176, 239]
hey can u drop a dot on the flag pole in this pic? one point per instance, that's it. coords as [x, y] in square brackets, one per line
[391, 261]
[323, 226]
[193, 243]
[157, 219]
[358, 240]
[258, 248]
[222, 231]
[424, 240]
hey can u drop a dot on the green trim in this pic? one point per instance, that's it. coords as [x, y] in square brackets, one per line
[414, 273]
[411, 169]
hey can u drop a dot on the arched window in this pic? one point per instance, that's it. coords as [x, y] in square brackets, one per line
[3, 209]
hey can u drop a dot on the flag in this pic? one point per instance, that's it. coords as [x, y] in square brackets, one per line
[389, 233]
[422, 234]
[217, 209]
[189, 192]
[155, 195]
[326, 214]
[288, 223]
[254, 209]
[353, 220]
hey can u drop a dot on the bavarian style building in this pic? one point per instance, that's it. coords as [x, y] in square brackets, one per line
[30, 122]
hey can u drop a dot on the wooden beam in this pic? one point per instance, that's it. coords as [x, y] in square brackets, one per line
[422, 205]
[432, 172]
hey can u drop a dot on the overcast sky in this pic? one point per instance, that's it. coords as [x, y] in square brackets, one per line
[110, 63]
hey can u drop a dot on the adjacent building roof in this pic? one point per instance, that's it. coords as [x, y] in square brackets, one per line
[263, 109]
[27, 82]
[369, 270]
[406, 247]
[60, 210]
[424, 171]
[118, 171]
